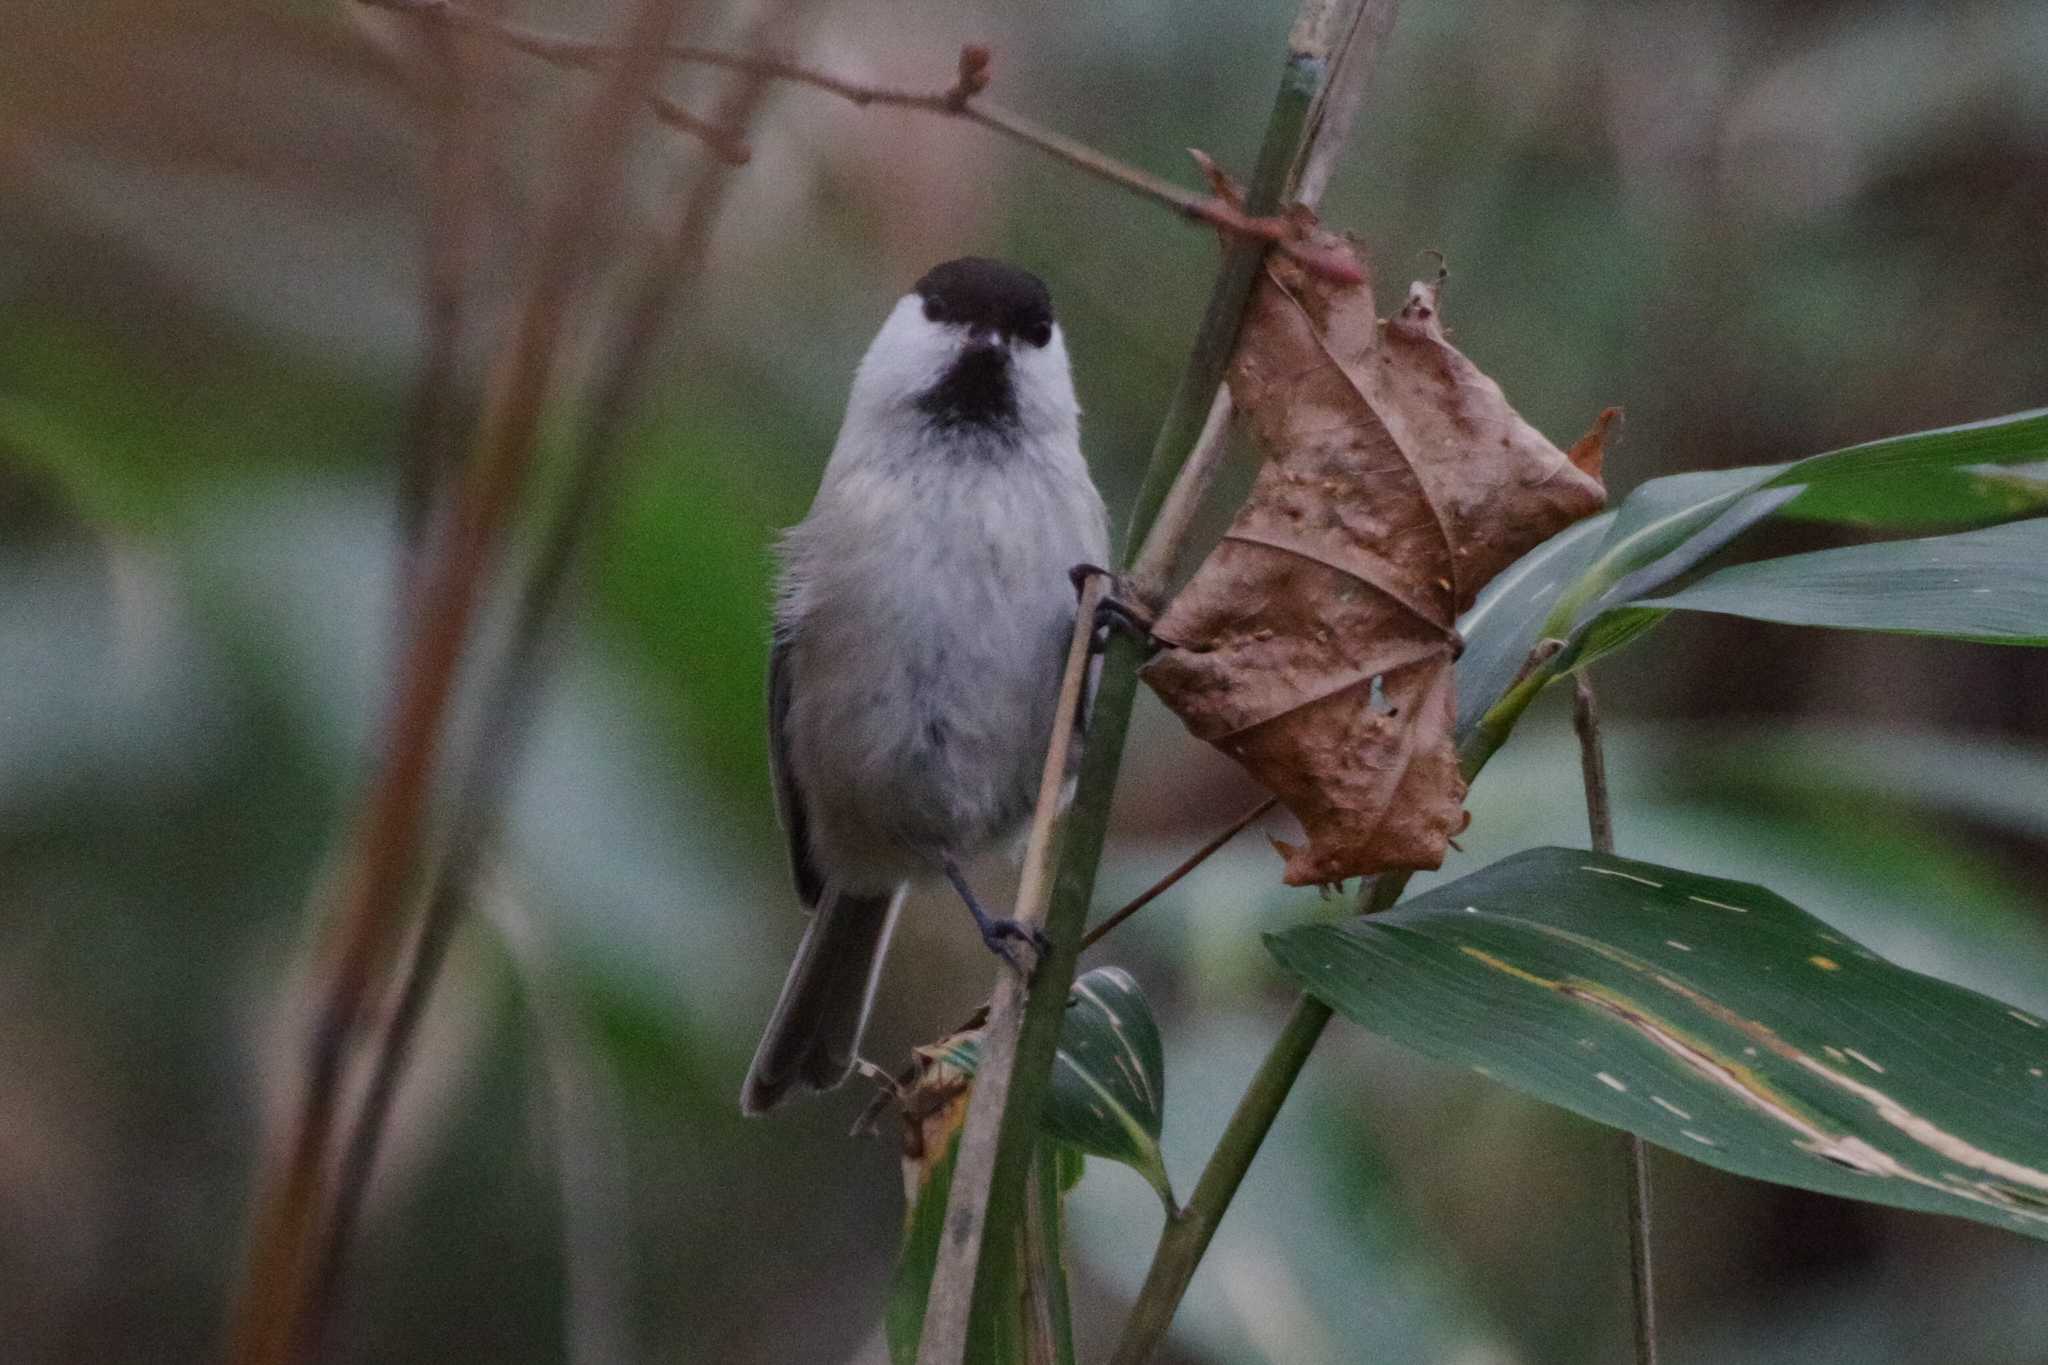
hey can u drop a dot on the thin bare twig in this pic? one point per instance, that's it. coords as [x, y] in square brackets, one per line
[989, 1200]
[1635, 1159]
[292, 1205]
[959, 100]
[1166, 883]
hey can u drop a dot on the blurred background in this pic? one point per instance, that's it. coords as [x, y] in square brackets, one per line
[1764, 229]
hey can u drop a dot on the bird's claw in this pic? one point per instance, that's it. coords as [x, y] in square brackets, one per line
[999, 934]
[1114, 611]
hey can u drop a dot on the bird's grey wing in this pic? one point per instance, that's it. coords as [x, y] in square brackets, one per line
[789, 800]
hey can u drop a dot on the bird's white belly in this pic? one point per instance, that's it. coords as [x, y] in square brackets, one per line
[939, 751]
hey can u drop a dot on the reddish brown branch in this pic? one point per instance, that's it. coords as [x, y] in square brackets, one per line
[959, 100]
[1166, 883]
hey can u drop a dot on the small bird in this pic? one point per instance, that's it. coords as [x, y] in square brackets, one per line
[923, 616]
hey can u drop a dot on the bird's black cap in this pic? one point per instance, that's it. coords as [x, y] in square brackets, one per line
[977, 292]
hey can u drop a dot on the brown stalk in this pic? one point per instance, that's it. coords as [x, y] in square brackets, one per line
[270, 1320]
[512, 696]
[1635, 1157]
[1166, 883]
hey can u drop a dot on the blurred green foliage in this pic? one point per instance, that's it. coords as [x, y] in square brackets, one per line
[1766, 229]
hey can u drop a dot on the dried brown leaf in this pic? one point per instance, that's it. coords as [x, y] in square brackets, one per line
[933, 1105]
[1315, 643]
[1589, 452]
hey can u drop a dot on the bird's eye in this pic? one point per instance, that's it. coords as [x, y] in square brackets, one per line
[1037, 333]
[934, 311]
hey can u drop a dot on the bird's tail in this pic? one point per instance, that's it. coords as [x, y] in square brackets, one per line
[817, 1023]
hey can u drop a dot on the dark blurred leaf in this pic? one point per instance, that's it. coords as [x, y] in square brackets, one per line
[1822, 769]
[1990, 586]
[684, 586]
[133, 443]
[1712, 1017]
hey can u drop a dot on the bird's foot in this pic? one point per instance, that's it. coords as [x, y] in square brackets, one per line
[1000, 934]
[1114, 611]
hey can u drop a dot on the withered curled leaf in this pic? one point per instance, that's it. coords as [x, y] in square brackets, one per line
[1315, 643]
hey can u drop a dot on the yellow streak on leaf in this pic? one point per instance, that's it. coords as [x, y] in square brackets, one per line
[1509, 968]
[1746, 1086]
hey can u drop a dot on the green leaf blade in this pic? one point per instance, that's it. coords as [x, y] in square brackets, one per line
[1713, 1018]
[1988, 586]
[1577, 587]
[1109, 1076]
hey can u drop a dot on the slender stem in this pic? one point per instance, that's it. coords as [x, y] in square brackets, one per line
[1592, 765]
[1188, 1233]
[1350, 36]
[1189, 864]
[1157, 559]
[433, 417]
[1635, 1159]
[1047, 1309]
[270, 1317]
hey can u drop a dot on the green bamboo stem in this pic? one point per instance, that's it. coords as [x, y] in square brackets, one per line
[1081, 837]
[1188, 1232]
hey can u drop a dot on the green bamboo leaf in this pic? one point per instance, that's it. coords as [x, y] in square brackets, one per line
[1990, 586]
[1578, 586]
[1506, 621]
[1936, 499]
[1109, 1076]
[1668, 526]
[1711, 1017]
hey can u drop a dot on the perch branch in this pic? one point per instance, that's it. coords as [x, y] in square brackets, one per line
[948, 1310]
[990, 1205]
